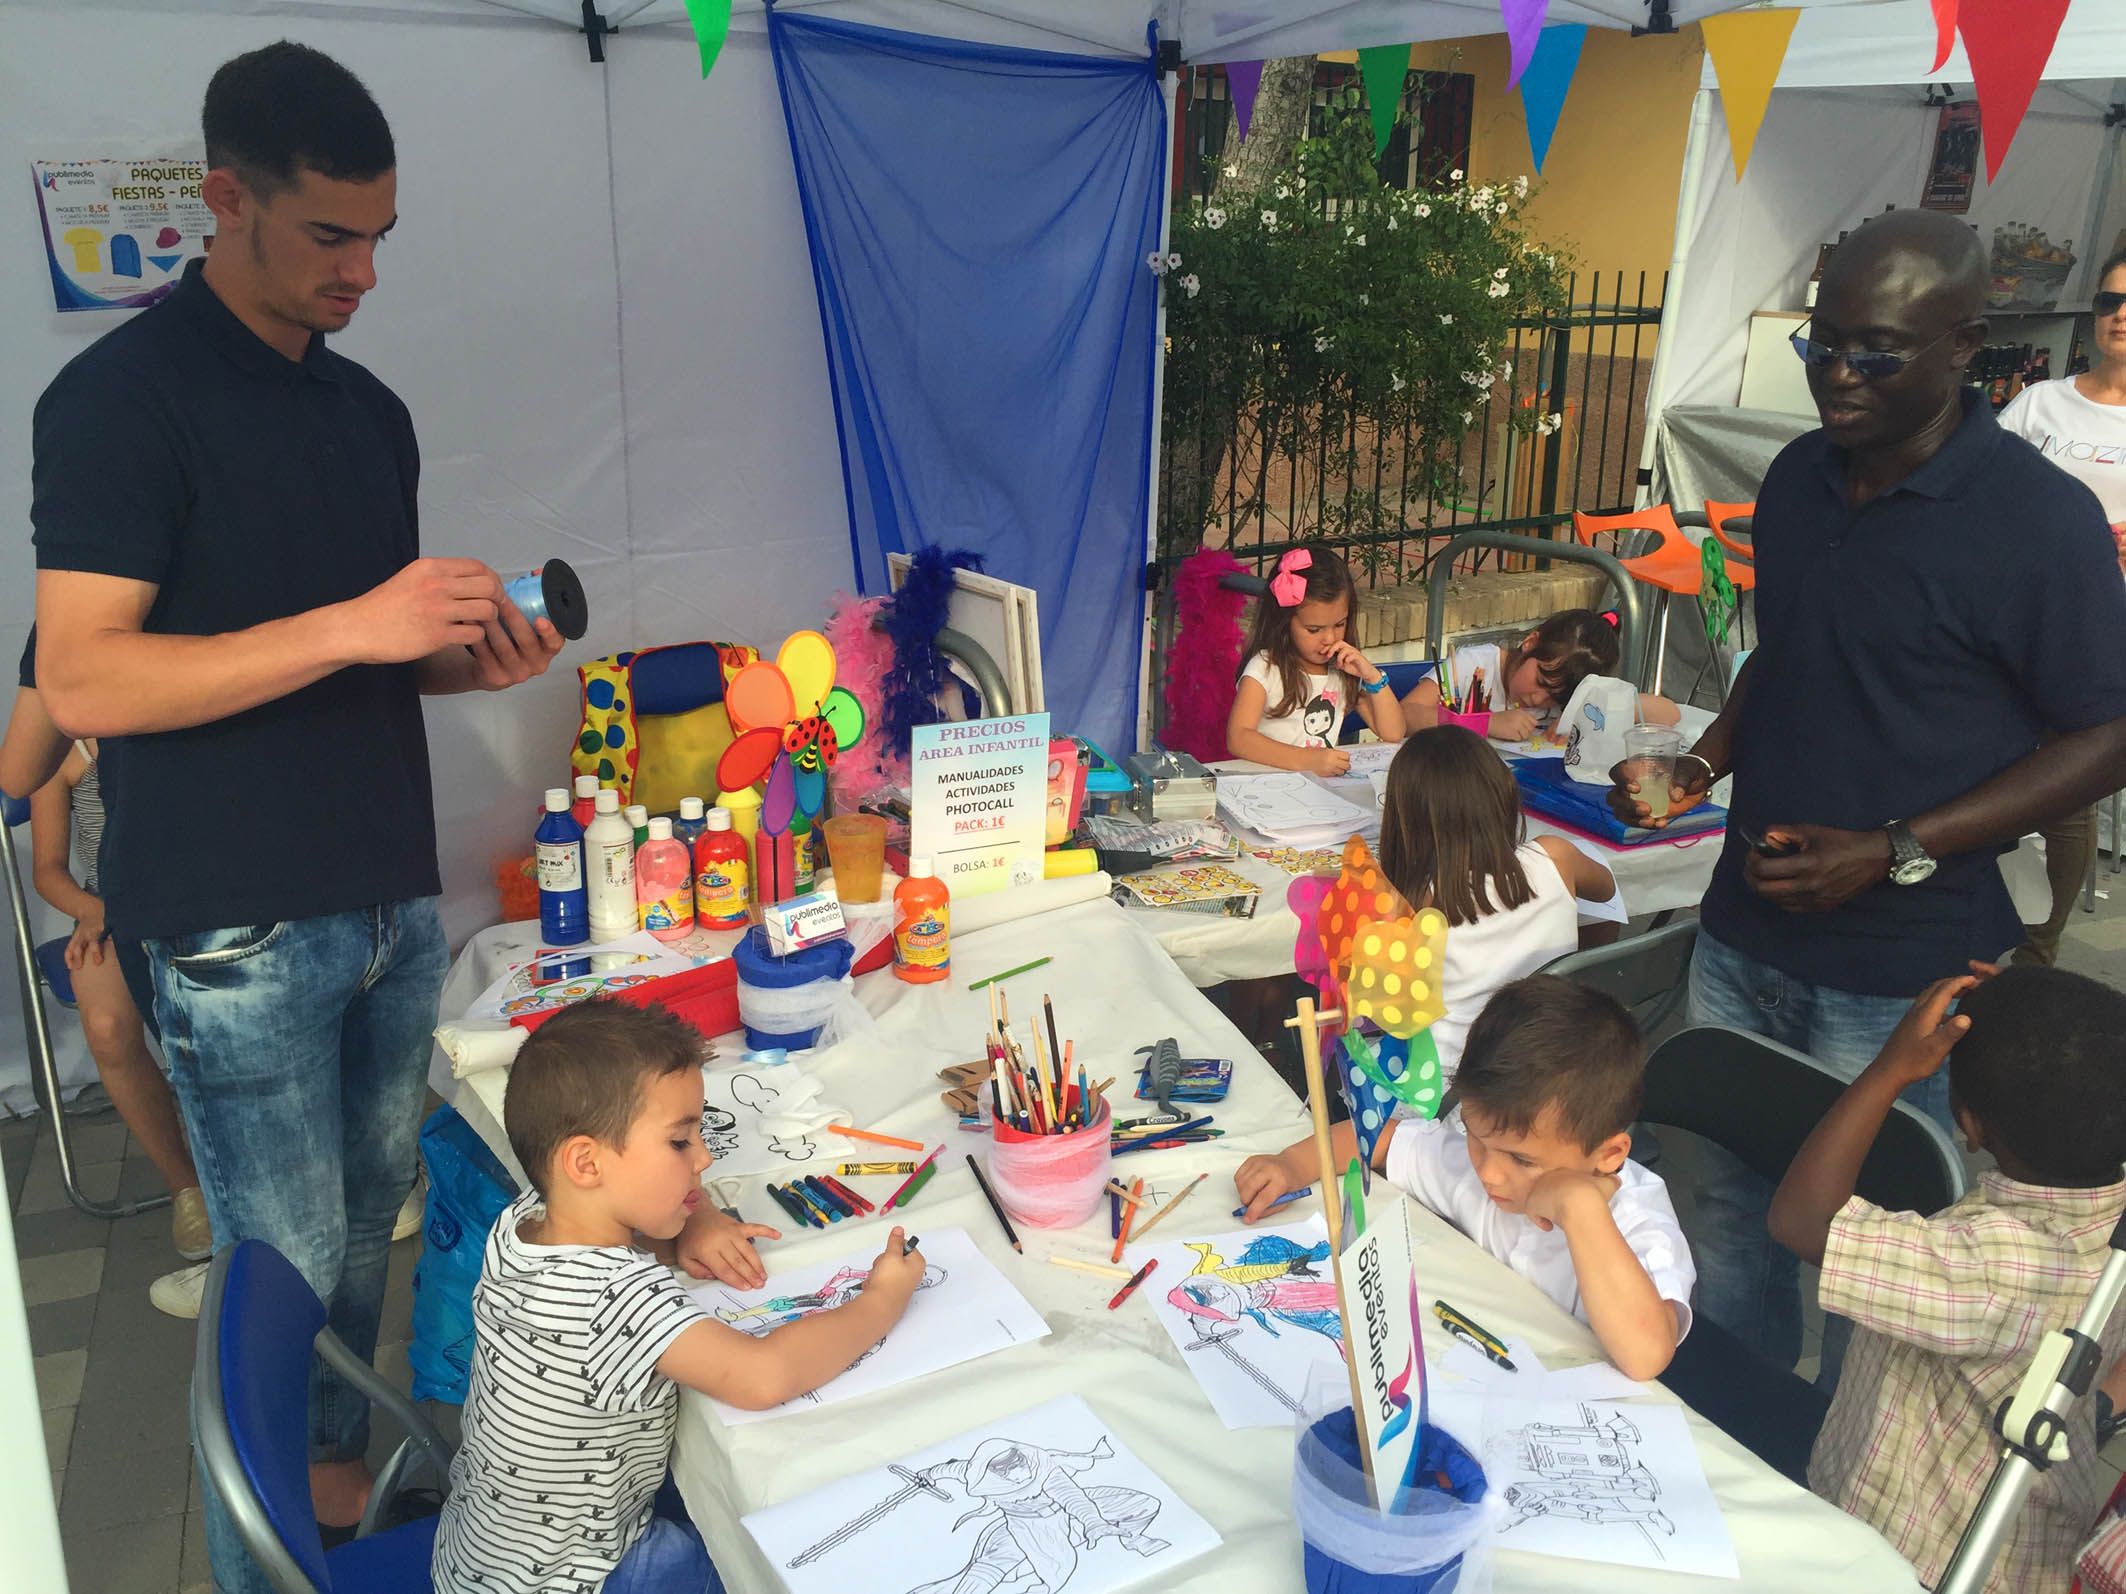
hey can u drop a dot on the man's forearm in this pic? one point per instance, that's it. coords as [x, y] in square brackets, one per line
[447, 670]
[1821, 1177]
[1717, 745]
[2062, 776]
[119, 682]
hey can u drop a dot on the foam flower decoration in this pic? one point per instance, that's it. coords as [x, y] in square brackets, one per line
[789, 722]
[1394, 977]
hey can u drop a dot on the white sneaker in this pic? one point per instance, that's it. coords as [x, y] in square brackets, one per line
[178, 1294]
[413, 1212]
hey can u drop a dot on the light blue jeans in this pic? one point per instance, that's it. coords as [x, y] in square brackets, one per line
[1747, 1284]
[669, 1558]
[298, 1054]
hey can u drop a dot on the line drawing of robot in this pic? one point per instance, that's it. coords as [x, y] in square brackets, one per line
[1590, 1472]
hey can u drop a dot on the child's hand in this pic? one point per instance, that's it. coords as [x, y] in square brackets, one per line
[1260, 1181]
[1512, 725]
[715, 1245]
[897, 1271]
[1552, 1197]
[85, 945]
[1926, 1034]
[1354, 663]
[1328, 761]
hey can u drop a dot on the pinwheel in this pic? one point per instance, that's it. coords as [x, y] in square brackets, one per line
[789, 723]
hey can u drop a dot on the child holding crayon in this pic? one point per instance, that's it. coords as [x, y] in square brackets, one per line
[582, 1336]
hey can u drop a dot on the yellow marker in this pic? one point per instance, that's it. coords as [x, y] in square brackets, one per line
[843, 1170]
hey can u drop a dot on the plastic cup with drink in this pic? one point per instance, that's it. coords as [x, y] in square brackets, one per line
[1650, 753]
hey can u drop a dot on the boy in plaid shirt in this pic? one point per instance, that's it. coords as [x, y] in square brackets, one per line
[1949, 1309]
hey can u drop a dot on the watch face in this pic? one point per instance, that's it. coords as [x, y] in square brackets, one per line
[1911, 872]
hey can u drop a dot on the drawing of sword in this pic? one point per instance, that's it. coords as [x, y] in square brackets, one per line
[1207, 1339]
[916, 1484]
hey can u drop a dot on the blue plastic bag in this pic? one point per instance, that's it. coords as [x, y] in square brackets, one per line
[467, 1190]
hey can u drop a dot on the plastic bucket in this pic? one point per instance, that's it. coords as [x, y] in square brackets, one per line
[1052, 1181]
[1352, 1547]
[761, 970]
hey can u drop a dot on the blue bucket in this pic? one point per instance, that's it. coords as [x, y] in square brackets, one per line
[1415, 1551]
[759, 967]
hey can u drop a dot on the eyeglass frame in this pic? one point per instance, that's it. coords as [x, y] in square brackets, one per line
[1870, 365]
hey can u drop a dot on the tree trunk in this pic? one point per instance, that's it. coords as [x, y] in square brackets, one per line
[1279, 123]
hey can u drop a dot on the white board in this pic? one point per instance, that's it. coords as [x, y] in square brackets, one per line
[1004, 619]
[1047, 1499]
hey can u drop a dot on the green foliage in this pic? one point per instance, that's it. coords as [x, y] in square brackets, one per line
[1315, 324]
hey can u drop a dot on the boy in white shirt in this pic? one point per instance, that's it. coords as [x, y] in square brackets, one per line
[1537, 1171]
[582, 1338]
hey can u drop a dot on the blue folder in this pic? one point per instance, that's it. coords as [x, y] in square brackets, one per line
[1547, 790]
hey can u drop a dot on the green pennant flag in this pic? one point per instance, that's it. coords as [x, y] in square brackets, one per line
[712, 24]
[1382, 68]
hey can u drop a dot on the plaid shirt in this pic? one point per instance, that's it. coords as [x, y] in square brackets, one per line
[1948, 1311]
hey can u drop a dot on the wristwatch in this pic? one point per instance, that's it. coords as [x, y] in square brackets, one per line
[1909, 861]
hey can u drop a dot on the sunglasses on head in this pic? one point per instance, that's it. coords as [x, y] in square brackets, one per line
[2107, 303]
[1870, 365]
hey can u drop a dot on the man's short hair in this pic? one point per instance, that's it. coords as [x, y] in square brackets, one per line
[582, 1072]
[2043, 1070]
[285, 109]
[1544, 1043]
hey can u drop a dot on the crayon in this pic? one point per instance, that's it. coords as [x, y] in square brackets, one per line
[857, 1202]
[1284, 1200]
[783, 1200]
[1084, 1266]
[826, 1198]
[908, 1183]
[1137, 1277]
[852, 1170]
[915, 1185]
[871, 1135]
[825, 1214]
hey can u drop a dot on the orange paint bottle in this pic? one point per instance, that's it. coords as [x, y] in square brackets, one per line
[922, 926]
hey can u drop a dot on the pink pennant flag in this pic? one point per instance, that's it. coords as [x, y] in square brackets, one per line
[1242, 79]
[1524, 21]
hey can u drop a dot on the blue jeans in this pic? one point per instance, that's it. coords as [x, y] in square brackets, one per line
[298, 1054]
[1747, 1284]
[669, 1558]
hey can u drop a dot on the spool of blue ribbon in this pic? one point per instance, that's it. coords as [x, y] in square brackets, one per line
[554, 594]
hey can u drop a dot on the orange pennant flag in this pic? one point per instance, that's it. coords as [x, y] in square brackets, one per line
[1747, 48]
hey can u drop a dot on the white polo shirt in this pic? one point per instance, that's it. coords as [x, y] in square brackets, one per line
[1430, 1160]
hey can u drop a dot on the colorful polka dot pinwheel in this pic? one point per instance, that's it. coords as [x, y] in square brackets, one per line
[789, 722]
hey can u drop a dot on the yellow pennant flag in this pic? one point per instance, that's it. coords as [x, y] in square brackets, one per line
[1747, 48]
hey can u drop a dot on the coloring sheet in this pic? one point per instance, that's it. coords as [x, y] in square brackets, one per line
[1294, 809]
[1251, 1311]
[1046, 1500]
[1596, 1481]
[1373, 757]
[615, 965]
[766, 1119]
[964, 1308]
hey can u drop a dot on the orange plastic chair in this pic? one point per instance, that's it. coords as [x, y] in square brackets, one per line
[1672, 567]
[1718, 516]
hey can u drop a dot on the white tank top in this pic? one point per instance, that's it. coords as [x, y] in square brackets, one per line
[1500, 947]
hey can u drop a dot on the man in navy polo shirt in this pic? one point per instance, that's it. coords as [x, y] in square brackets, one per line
[231, 593]
[1943, 669]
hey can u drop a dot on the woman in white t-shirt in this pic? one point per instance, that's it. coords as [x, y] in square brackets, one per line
[2079, 423]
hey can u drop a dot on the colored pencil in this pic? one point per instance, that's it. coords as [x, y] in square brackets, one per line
[847, 1194]
[1082, 1266]
[995, 1205]
[1163, 1211]
[1135, 1279]
[992, 979]
[1055, 1046]
[1284, 1200]
[915, 1187]
[883, 1140]
[852, 1170]
[1129, 1216]
[915, 1170]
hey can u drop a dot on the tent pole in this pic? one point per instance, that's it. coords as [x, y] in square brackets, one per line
[2093, 248]
[1169, 86]
[1701, 127]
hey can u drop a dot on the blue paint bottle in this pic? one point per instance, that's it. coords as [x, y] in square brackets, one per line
[564, 906]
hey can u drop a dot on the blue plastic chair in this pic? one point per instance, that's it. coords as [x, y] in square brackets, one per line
[259, 1326]
[1403, 676]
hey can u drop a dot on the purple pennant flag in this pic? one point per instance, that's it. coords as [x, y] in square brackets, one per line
[1242, 79]
[1524, 20]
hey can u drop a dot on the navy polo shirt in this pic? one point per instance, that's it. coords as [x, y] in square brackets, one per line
[1912, 648]
[182, 450]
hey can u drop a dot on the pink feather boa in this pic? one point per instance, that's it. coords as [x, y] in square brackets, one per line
[862, 656]
[1203, 666]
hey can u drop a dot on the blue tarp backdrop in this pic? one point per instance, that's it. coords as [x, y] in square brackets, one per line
[979, 221]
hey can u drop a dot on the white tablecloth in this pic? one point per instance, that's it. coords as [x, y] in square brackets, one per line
[1113, 993]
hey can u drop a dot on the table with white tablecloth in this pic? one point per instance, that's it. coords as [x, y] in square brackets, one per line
[1115, 991]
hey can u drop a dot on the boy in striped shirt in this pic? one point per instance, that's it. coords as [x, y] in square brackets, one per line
[583, 1335]
[1949, 1309]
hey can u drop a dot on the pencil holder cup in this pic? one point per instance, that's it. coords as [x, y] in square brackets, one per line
[1432, 1544]
[1051, 1181]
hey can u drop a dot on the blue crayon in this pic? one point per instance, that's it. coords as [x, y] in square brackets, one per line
[836, 1207]
[1284, 1200]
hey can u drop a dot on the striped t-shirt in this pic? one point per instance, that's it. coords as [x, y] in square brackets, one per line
[568, 1424]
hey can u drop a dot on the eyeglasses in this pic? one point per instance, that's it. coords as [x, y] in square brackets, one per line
[1870, 365]
[2107, 303]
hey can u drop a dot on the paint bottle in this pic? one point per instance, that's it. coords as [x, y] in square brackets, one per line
[922, 926]
[744, 808]
[687, 828]
[664, 883]
[721, 879]
[609, 870]
[585, 808]
[638, 820]
[564, 910]
[803, 852]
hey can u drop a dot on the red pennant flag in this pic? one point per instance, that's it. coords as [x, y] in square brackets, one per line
[1944, 32]
[1242, 79]
[2008, 42]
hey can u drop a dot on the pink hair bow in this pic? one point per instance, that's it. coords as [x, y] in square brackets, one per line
[1289, 586]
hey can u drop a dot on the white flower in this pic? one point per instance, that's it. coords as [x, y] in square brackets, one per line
[1190, 285]
[1359, 241]
[1300, 183]
[1269, 220]
[1214, 218]
[1365, 298]
[1484, 194]
[1396, 384]
[1446, 320]
[1497, 276]
[1422, 209]
[1324, 345]
[1468, 416]
[1455, 176]
[1506, 369]
[1498, 290]
[1283, 191]
[1520, 187]
[1157, 262]
[1173, 263]
[1232, 170]
[1391, 224]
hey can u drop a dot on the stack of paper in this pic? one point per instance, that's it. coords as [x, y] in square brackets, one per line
[1292, 810]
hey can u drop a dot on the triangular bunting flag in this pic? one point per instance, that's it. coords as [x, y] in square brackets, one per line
[1382, 68]
[1524, 22]
[712, 24]
[1944, 32]
[1242, 79]
[1747, 47]
[2008, 42]
[1556, 57]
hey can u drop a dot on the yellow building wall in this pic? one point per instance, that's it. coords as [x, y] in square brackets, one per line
[1607, 195]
